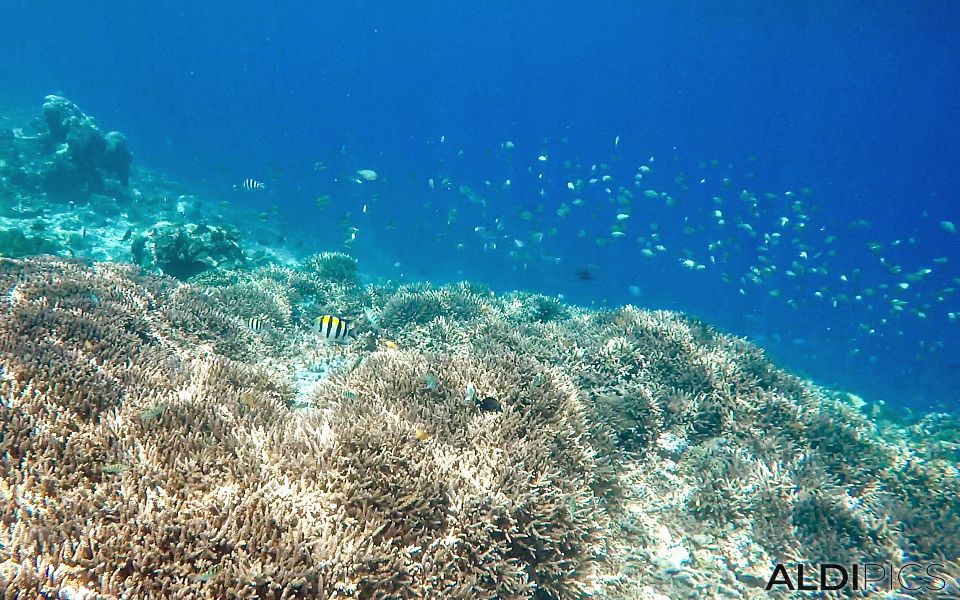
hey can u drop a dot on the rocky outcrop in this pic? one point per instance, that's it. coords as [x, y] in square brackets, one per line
[183, 251]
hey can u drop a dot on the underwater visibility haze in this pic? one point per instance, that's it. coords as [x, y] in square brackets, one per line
[482, 300]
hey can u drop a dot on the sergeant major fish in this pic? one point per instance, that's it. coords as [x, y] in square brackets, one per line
[257, 323]
[333, 329]
[250, 184]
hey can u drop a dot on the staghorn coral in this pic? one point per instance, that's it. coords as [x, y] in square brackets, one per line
[190, 488]
[265, 300]
[419, 304]
[535, 307]
[334, 266]
[151, 447]
[303, 290]
[484, 469]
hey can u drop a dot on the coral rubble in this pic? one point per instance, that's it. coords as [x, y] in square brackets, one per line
[156, 443]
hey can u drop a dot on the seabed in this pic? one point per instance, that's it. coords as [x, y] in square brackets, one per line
[173, 425]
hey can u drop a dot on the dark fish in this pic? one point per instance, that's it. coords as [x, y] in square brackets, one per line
[489, 404]
[127, 235]
[584, 274]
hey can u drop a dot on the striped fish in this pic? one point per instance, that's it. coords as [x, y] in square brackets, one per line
[333, 329]
[257, 323]
[251, 184]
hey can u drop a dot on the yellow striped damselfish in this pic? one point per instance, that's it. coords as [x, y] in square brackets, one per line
[333, 329]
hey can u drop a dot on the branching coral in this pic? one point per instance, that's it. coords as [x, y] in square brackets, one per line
[283, 297]
[334, 266]
[196, 476]
[498, 447]
[526, 307]
[265, 300]
[417, 305]
[523, 472]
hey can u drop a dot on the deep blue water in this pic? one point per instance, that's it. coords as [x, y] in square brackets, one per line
[856, 102]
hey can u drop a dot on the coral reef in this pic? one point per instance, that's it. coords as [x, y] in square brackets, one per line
[418, 304]
[183, 251]
[302, 292]
[73, 190]
[79, 154]
[67, 186]
[193, 439]
[14, 243]
[335, 266]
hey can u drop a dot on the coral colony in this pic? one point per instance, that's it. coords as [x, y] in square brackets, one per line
[176, 428]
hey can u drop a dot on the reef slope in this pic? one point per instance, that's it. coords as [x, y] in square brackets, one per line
[197, 440]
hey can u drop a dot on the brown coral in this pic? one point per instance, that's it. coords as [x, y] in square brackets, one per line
[501, 447]
[157, 474]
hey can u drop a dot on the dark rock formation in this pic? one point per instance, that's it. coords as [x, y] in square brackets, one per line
[78, 156]
[183, 251]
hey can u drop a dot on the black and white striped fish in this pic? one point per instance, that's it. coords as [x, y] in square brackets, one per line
[250, 184]
[333, 329]
[257, 323]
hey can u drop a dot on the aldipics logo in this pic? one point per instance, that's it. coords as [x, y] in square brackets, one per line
[909, 577]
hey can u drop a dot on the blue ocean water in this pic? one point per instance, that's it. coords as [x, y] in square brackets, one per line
[852, 108]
